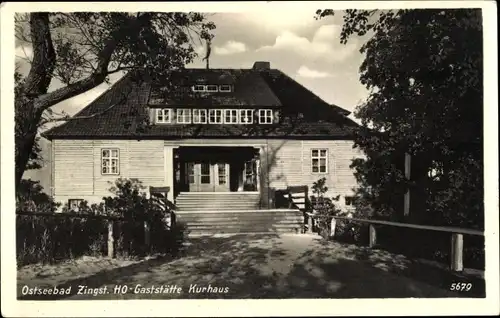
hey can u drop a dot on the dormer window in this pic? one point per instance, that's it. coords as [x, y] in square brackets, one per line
[164, 116]
[215, 116]
[265, 116]
[199, 88]
[246, 116]
[225, 88]
[231, 116]
[199, 116]
[211, 88]
[183, 116]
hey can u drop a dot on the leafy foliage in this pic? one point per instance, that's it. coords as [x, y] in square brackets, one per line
[52, 238]
[424, 70]
[78, 51]
[324, 207]
[31, 198]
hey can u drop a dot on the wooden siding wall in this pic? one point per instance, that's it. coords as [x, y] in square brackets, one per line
[77, 166]
[289, 164]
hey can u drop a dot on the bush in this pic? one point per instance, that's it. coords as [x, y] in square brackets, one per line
[131, 203]
[52, 238]
[324, 207]
[68, 234]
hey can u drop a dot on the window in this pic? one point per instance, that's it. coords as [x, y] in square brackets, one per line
[222, 173]
[199, 88]
[230, 116]
[350, 201]
[184, 116]
[164, 116]
[74, 204]
[265, 116]
[225, 88]
[215, 116]
[319, 160]
[199, 116]
[246, 116]
[212, 88]
[110, 161]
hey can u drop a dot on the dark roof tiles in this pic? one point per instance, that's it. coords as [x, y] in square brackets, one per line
[120, 111]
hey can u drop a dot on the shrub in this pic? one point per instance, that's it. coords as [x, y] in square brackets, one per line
[324, 207]
[67, 235]
[51, 238]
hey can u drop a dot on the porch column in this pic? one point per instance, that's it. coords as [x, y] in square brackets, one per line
[169, 170]
[262, 177]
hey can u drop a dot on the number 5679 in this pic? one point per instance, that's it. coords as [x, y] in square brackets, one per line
[461, 286]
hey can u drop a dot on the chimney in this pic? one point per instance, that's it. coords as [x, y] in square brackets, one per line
[261, 65]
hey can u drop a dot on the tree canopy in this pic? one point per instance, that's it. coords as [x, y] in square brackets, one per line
[424, 70]
[80, 50]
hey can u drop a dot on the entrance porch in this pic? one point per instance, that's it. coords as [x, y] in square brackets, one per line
[216, 169]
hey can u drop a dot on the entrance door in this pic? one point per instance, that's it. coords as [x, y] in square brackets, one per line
[208, 176]
[221, 170]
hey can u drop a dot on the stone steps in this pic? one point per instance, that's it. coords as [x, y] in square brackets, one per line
[241, 221]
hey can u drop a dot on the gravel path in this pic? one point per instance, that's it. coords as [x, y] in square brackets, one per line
[245, 266]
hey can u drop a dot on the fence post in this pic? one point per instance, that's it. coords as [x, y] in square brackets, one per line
[147, 234]
[111, 240]
[457, 248]
[309, 224]
[373, 235]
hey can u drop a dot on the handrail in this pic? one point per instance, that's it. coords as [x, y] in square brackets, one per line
[448, 229]
[457, 239]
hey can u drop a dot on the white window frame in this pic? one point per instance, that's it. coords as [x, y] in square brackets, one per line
[199, 88]
[107, 161]
[164, 112]
[246, 113]
[183, 116]
[231, 112]
[74, 204]
[266, 116]
[318, 157]
[225, 88]
[198, 115]
[217, 114]
[214, 89]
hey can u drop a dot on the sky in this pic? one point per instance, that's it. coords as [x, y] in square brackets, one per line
[306, 49]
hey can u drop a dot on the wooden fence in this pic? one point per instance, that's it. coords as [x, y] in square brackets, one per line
[110, 221]
[457, 236]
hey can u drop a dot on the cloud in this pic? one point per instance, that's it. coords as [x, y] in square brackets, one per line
[230, 47]
[324, 45]
[305, 71]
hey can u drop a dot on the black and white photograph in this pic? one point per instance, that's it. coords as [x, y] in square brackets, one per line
[310, 153]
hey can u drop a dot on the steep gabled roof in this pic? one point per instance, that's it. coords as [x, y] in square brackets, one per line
[120, 112]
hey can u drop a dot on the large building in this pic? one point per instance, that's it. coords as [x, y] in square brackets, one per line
[206, 133]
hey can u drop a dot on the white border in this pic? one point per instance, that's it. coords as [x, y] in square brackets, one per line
[294, 307]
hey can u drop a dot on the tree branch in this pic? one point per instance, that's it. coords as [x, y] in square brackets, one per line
[98, 77]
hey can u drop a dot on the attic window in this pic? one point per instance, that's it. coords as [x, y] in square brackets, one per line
[183, 116]
[164, 116]
[265, 116]
[199, 116]
[246, 116]
[225, 88]
[199, 88]
[211, 88]
[215, 116]
[231, 116]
